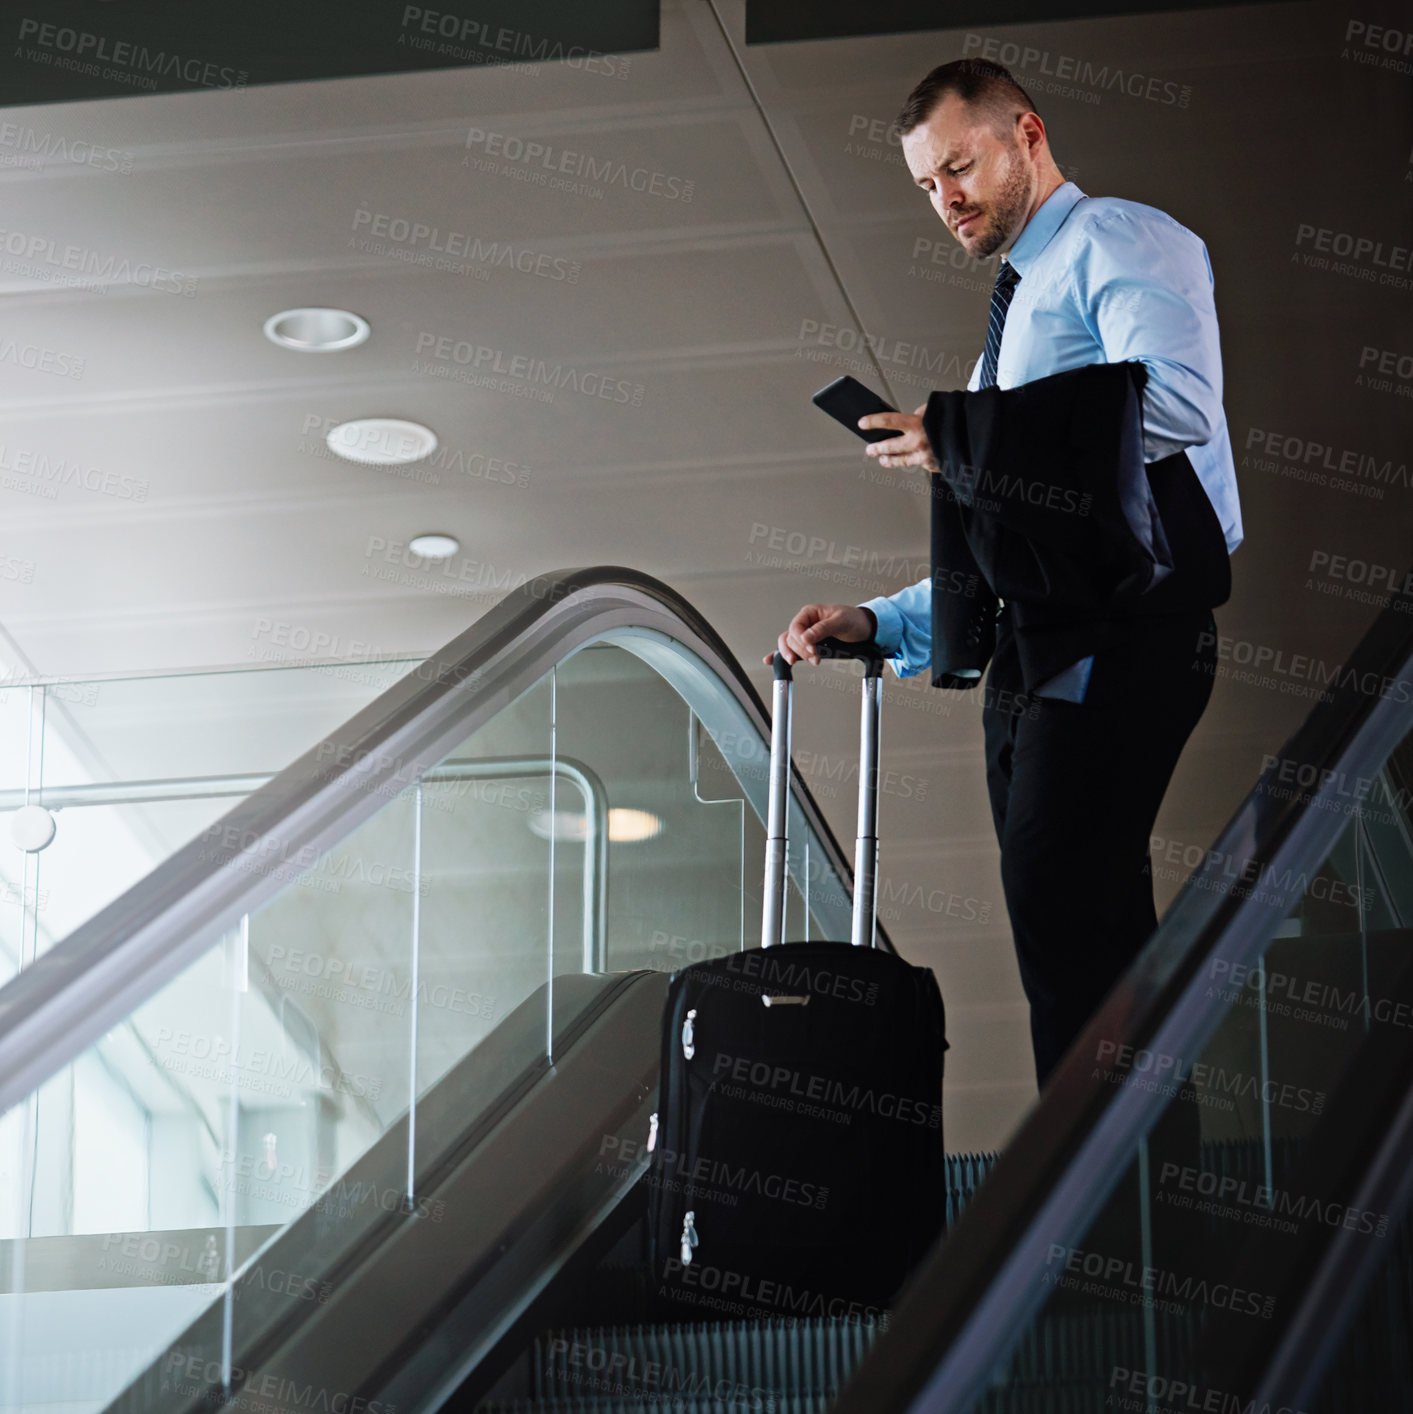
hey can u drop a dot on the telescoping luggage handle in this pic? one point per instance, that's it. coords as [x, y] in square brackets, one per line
[863, 933]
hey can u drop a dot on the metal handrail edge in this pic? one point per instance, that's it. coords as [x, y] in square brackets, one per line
[965, 1308]
[71, 994]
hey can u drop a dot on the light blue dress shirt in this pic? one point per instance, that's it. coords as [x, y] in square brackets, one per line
[1104, 281]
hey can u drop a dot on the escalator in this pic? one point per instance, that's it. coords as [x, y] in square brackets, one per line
[399, 1013]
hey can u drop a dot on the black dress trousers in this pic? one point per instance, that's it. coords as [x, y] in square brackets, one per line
[1075, 790]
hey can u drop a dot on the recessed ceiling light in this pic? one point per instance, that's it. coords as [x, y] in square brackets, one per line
[382, 441]
[434, 547]
[625, 826]
[629, 826]
[315, 330]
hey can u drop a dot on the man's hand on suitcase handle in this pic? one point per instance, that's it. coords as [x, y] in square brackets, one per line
[851, 626]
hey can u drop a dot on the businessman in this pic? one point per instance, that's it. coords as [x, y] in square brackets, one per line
[1077, 773]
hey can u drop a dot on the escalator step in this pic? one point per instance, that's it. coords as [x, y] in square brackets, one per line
[964, 1175]
[1094, 1398]
[759, 1362]
[661, 1404]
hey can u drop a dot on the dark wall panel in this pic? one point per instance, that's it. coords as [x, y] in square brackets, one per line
[64, 50]
[776, 21]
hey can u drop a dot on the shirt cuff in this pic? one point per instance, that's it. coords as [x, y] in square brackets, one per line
[889, 636]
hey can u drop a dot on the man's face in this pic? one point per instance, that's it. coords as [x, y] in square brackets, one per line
[980, 182]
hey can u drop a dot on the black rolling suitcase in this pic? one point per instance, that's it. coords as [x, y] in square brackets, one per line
[797, 1150]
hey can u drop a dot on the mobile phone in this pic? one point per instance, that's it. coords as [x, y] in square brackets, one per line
[847, 400]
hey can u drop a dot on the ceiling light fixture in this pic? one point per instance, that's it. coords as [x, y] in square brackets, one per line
[382, 441]
[625, 826]
[629, 826]
[434, 546]
[315, 330]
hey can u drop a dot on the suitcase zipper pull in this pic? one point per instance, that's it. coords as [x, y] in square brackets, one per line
[652, 1133]
[689, 1238]
[688, 1049]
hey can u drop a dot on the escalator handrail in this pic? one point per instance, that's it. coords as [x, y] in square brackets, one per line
[971, 1301]
[73, 993]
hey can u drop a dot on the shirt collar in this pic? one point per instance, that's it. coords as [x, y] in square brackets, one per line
[1043, 225]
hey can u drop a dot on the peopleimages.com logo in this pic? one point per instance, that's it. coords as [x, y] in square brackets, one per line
[1146, 1393]
[1121, 1279]
[1215, 1079]
[796, 1092]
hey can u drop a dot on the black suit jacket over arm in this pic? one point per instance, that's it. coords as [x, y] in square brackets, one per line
[1043, 494]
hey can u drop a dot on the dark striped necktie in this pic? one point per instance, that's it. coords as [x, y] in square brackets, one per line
[1007, 278]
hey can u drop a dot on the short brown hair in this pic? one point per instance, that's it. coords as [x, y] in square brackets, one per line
[976, 82]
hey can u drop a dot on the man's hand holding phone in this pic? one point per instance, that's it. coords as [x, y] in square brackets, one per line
[866, 415]
[909, 448]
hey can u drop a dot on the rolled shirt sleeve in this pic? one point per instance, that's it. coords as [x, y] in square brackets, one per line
[1147, 287]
